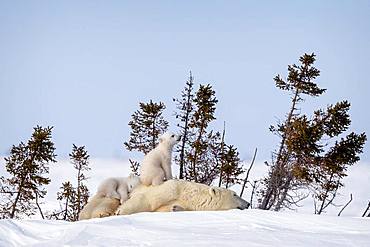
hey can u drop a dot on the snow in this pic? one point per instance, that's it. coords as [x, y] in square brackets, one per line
[251, 227]
[219, 228]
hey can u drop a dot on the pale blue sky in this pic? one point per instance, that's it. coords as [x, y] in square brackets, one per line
[83, 66]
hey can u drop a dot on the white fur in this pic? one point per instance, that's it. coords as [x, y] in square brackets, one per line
[173, 195]
[118, 187]
[156, 165]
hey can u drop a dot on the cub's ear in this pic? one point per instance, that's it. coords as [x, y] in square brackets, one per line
[160, 139]
[212, 191]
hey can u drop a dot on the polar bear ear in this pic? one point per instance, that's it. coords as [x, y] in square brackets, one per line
[160, 139]
[212, 191]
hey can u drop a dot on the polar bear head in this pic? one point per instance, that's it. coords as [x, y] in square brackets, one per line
[224, 199]
[169, 139]
[201, 197]
[214, 198]
[132, 182]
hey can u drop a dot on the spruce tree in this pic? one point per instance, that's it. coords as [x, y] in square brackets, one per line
[202, 165]
[147, 124]
[201, 152]
[80, 160]
[207, 166]
[185, 107]
[304, 158]
[231, 167]
[27, 165]
[67, 198]
[73, 199]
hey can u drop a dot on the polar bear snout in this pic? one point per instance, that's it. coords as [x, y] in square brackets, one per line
[170, 138]
[243, 204]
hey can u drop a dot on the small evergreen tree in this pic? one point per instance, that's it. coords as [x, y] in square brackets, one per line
[72, 199]
[304, 158]
[28, 165]
[231, 167]
[67, 198]
[201, 152]
[80, 160]
[185, 113]
[202, 165]
[147, 124]
[207, 166]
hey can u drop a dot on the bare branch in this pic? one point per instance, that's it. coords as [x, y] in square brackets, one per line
[248, 171]
[368, 207]
[350, 200]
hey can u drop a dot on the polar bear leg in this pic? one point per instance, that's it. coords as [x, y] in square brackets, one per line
[152, 176]
[106, 207]
[172, 207]
[166, 165]
[157, 180]
[92, 204]
[123, 193]
[114, 194]
[135, 204]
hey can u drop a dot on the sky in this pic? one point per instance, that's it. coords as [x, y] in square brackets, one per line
[84, 66]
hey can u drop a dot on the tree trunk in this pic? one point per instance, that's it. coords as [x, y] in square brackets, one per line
[153, 137]
[227, 181]
[66, 209]
[185, 137]
[284, 194]
[248, 171]
[368, 207]
[38, 205]
[14, 205]
[196, 152]
[270, 186]
[78, 194]
[252, 194]
[222, 153]
[323, 205]
[350, 200]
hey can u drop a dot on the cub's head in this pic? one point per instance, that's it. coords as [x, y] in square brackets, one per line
[169, 138]
[132, 182]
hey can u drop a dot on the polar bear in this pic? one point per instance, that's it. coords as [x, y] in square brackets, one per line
[118, 187]
[175, 195]
[99, 206]
[172, 195]
[156, 165]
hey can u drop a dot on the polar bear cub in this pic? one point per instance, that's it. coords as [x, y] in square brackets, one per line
[156, 165]
[118, 187]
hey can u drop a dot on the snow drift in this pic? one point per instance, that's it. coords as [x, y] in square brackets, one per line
[218, 228]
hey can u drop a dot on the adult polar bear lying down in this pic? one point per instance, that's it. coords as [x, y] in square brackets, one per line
[172, 195]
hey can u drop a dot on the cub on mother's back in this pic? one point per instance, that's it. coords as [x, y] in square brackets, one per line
[118, 187]
[156, 165]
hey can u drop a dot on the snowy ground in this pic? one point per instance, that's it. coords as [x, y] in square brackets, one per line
[223, 228]
[228, 228]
